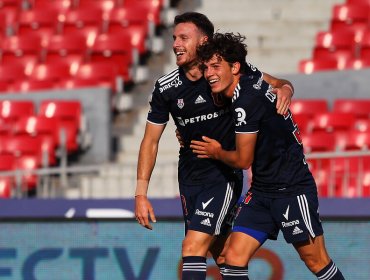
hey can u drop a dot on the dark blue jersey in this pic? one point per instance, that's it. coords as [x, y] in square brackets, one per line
[196, 113]
[279, 167]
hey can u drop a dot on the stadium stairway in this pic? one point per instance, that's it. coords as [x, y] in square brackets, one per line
[279, 33]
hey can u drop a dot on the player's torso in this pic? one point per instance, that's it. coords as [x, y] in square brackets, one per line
[196, 114]
[279, 163]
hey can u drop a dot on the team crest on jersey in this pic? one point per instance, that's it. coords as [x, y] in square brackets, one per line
[180, 103]
[241, 115]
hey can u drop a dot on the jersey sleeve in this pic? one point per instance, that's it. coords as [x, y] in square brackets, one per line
[248, 108]
[159, 107]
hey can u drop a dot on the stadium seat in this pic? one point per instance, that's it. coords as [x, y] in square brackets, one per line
[365, 46]
[359, 2]
[12, 110]
[6, 184]
[360, 108]
[25, 48]
[69, 48]
[46, 129]
[103, 5]
[118, 24]
[145, 10]
[337, 45]
[358, 141]
[42, 22]
[8, 19]
[101, 74]
[115, 49]
[60, 5]
[88, 19]
[362, 125]
[29, 86]
[320, 141]
[332, 121]
[53, 72]
[353, 18]
[309, 106]
[70, 116]
[308, 66]
[356, 63]
[11, 73]
[28, 180]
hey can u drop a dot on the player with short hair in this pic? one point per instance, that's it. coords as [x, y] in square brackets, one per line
[283, 195]
[209, 189]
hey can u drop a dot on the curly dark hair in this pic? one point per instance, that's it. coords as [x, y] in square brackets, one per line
[201, 21]
[228, 46]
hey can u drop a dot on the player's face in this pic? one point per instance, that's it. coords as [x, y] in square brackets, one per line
[220, 76]
[186, 38]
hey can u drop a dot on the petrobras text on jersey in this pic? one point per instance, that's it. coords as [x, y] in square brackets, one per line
[202, 118]
[290, 224]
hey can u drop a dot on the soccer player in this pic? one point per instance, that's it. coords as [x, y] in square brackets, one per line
[283, 194]
[209, 189]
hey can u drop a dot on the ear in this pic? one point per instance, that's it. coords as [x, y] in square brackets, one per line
[235, 68]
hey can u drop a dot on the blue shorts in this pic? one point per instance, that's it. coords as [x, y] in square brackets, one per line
[210, 208]
[296, 216]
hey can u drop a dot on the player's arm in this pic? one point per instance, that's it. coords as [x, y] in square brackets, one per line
[146, 161]
[284, 91]
[241, 158]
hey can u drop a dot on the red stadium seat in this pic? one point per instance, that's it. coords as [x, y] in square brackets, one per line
[358, 141]
[68, 48]
[358, 107]
[88, 19]
[356, 63]
[309, 106]
[353, 18]
[332, 122]
[359, 2]
[365, 47]
[6, 185]
[28, 163]
[138, 33]
[41, 22]
[60, 5]
[339, 45]
[320, 141]
[47, 129]
[52, 72]
[146, 10]
[10, 73]
[11, 110]
[308, 66]
[18, 48]
[29, 86]
[101, 74]
[70, 117]
[115, 48]
[103, 5]
[362, 125]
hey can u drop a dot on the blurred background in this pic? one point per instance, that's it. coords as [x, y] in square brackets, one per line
[75, 78]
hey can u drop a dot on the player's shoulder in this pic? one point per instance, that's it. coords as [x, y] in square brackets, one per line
[171, 80]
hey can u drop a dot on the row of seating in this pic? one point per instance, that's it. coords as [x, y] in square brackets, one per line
[121, 33]
[347, 43]
[32, 139]
[14, 77]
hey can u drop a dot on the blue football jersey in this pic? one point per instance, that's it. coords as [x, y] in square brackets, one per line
[279, 165]
[196, 113]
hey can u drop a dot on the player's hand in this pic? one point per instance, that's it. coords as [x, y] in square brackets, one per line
[179, 138]
[284, 98]
[144, 210]
[208, 148]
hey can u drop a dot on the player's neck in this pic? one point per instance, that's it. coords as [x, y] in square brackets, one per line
[193, 72]
[229, 93]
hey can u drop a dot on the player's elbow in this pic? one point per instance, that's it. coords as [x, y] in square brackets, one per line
[245, 163]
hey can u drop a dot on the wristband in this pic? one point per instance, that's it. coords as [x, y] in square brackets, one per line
[289, 86]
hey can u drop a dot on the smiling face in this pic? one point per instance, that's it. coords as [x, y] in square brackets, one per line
[186, 38]
[221, 75]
